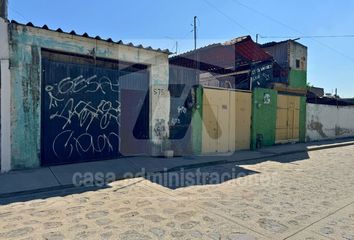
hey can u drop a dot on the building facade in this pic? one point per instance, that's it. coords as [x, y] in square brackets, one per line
[283, 103]
[68, 98]
[274, 78]
[292, 58]
[223, 76]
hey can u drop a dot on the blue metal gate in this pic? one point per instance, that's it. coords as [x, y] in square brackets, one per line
[81, 109]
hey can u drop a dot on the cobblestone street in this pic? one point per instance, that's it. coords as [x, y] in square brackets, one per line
[296, 196]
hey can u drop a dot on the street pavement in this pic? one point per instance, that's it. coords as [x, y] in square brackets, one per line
[295, 196]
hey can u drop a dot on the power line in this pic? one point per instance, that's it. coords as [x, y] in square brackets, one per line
[313, 36]
[227, 16]
[17, 12]
[291, 28]
[176, 39]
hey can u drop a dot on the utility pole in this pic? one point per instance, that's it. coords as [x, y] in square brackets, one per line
[3, 9]
[196, 60]
[257, 35]
[195, 32]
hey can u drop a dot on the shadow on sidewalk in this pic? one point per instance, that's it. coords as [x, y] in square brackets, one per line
[199, 174]
[210, 175]
[285, 158]
[48, 194]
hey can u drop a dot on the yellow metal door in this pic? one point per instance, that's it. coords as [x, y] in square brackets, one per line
[226, 121]
[282, 119]
[243, 120]
[232, 122]
[288, 117]
[223, 124]
[215, 121]
[210, 129]
[210, 132]
[293, 118]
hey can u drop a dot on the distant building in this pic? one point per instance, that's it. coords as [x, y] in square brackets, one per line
[237, 64]
[257, 90]
[315, 92]
[292, 58]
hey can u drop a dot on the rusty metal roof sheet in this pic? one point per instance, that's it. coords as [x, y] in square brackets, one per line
[86, 35]
[243, 46]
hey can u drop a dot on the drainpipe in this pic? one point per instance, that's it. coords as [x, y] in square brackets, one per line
[3, 9]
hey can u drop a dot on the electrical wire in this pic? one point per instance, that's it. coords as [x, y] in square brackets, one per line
[227, 16]
[314, 36]
[293, 29]
[18, 13]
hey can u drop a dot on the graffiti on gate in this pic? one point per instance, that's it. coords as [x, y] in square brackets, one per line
[160, 129]
[88, 113]
[182, 111]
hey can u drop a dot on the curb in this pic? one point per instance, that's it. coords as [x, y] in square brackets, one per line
[215, 163]
[174, 169]
[34, 191]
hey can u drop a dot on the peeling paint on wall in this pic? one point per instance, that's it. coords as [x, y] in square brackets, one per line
[329, 122]
[26, 45]
[318, 127]
[5, 77]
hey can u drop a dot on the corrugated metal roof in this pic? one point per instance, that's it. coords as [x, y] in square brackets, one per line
[85, 35]
[250, 50]
[188, 53]
[271, 44]
[244, 46]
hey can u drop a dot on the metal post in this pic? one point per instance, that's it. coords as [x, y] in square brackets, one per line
[3, 9]
[195, 32]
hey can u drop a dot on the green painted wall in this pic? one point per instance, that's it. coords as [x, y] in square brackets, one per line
[263, 117]
[25, 101]
[298, 79]
[302, 119]
[197, 121]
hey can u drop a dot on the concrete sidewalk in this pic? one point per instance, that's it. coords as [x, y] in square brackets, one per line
[58, 177]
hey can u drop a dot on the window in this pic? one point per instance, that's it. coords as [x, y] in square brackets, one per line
[297, 63]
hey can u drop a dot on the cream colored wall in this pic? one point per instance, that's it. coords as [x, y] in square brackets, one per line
[298, 51]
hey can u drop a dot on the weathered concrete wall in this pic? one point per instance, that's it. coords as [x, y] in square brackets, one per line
[297, 51]
[5, 98]
[25, 53]
[329, 122]
[297, 74]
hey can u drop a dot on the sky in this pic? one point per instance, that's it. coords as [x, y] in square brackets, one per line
[162, 23]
